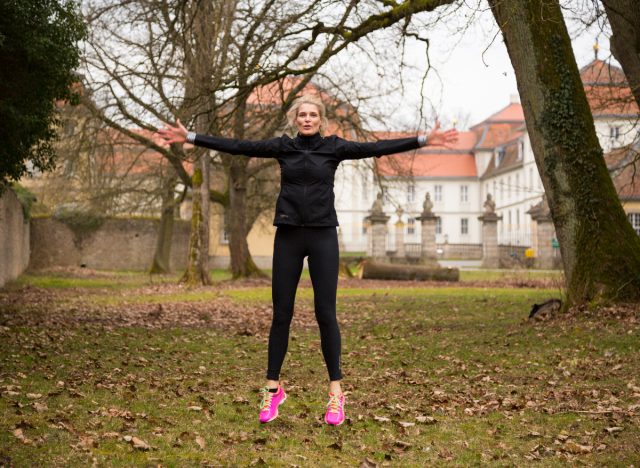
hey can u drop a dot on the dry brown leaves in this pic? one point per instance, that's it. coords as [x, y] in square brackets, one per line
[38, 307]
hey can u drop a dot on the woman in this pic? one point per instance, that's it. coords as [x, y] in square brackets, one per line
[306, 227]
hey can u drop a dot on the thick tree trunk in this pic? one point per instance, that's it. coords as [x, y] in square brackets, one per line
[388, 271]
[600, 250]
[161, 257]
[624, 18]
[242, 265]
[196, 272]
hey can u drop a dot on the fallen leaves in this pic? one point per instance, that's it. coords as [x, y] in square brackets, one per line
[575, 448]
[19, 434]
[78, 372]
[613, 430]
[137, 443]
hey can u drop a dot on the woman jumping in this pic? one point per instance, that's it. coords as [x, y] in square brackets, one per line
[306, 224]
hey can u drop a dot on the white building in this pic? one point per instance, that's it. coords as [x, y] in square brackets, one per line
[493, 157]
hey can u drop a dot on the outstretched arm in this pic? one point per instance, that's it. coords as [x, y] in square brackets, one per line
[259, 149]
[357, 150]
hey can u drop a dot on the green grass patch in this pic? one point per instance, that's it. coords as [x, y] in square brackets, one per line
[434, 376]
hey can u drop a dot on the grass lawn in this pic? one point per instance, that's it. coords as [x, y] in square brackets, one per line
[119, 369]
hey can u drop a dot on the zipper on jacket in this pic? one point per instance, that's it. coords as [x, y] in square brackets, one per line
[304, 187]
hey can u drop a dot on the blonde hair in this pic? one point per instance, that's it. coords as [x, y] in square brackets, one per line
[292, 113]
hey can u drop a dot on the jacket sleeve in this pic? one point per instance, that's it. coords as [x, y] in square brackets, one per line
[254, 149]
[355, 150]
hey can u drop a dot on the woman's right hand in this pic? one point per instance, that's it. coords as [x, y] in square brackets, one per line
[173, 134]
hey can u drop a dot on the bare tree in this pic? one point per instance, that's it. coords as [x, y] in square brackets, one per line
[99, 170]
[204, 62]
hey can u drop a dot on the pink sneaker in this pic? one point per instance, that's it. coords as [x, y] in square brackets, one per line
[270, 403]
[335, 410]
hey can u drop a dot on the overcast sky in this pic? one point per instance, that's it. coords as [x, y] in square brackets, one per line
[474, 74]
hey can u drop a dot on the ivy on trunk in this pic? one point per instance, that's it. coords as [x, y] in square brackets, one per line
[600, 250]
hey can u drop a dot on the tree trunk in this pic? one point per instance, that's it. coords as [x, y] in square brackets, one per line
[242, 265]
[196, 272]
[162, 256]
[204, 228]
[624, 18]
[600, 250]
[388, 271]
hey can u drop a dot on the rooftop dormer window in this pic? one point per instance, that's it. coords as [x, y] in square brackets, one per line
[520, 150]
[614, 132]
[500, 152]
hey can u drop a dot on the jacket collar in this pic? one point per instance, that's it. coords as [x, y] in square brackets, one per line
[308, 142]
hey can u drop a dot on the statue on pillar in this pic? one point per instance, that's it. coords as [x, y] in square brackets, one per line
[489, 205]
[376, 208]
[427, 206]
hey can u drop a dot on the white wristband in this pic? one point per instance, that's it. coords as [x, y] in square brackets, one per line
[422, 140]
[191, 137]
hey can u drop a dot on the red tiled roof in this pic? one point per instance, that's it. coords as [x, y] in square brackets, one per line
[601, 72]
[607, 90]
[428, 165]
[273, 93]
[509, 161]
[500, 127]
[622, 164]
[511, 113]
[430, 161]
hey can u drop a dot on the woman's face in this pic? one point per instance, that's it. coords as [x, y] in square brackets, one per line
[308, 119]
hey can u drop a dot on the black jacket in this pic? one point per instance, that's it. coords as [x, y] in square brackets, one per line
[308, 165]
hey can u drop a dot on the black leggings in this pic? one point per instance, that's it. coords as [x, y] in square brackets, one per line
[292, 244]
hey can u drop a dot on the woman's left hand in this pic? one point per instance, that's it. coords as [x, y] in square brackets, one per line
[444, 138]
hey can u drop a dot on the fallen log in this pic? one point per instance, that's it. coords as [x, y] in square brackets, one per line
[386, 271]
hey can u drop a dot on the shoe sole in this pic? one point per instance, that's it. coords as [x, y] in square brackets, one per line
[275, 415]
[339, 424]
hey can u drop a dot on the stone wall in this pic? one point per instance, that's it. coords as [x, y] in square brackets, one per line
[118, 244]
[460, 251]
[14, 238]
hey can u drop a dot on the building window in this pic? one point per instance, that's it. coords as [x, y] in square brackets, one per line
[518, 218]
[411, 193]
[502, 190]
[495, 191]
[438, 225]
[530, 179]
[386, 198]
[634, 219]
[365, 226]
[509, 188]
[464, 193]
[517, 186]
[411, 226]
[437, 193]
[614, 132]
[365, 188]
[500, 155]
[464, 226]
[224, 231]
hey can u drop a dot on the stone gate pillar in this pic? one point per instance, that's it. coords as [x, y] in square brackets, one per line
[428, 233]
[489, 220]
[545, 233]
[378, 231]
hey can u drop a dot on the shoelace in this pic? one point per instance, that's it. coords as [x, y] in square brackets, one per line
[266, 399]
[334, 404]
